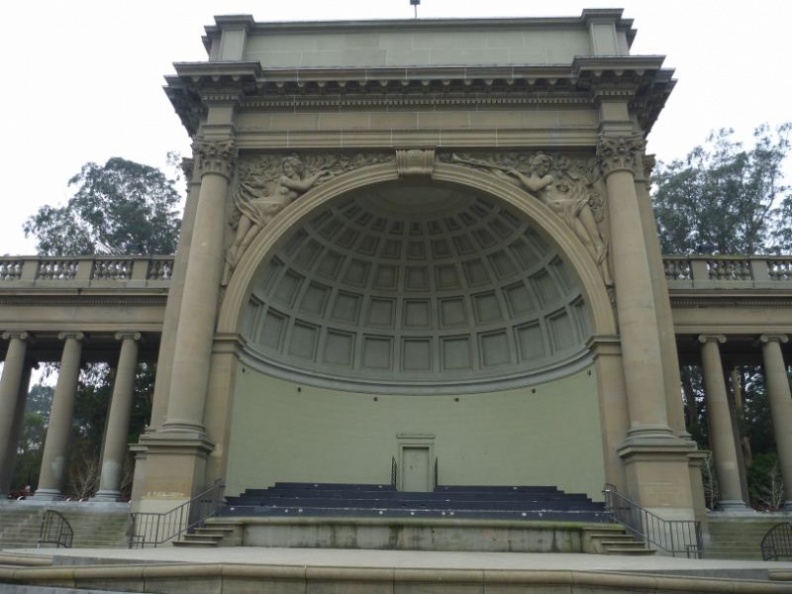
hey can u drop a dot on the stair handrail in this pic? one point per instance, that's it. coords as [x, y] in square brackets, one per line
[55, 529]
[777, 542]
[675, 537]
[156, 528]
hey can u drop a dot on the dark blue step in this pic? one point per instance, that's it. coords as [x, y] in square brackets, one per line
[457, 501]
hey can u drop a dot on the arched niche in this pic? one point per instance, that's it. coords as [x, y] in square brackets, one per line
[546, 224]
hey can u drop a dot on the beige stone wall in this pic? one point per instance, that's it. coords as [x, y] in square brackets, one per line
[281, 431]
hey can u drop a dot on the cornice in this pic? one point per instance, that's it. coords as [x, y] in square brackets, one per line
[82, 301]
[737, 301]
[637, 79]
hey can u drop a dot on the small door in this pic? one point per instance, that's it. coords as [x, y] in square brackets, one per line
[416, 469]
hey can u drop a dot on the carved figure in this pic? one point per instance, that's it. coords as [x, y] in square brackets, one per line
[261, 195]
[563, 190]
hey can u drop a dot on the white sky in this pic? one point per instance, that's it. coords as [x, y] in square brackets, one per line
[83, 79]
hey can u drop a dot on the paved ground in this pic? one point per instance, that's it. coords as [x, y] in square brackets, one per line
[409, 559]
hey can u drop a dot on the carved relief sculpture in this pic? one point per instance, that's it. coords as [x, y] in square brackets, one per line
[268, 184]
[570, 189]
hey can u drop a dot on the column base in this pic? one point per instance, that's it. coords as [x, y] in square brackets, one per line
[175, 462]
[642, 433]
[107, 495]
[658, 475]
[48, 495]
[734, 507]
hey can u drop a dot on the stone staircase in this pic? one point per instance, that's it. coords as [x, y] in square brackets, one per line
[334, 509]
[614, 540]
[738, 538]
[94, 525]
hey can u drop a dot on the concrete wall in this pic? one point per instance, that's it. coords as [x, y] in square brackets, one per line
[285, 432]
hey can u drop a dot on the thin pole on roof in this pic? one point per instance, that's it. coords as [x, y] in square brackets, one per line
[415, 4]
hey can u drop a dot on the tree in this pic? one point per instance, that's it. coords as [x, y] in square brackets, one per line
[120, 207]
[117, 208]
[725, 198]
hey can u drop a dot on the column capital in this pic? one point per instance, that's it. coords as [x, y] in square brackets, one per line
[79, 336]
[716, 338]
[20, 334]
[129, 334]
[620, 153]
[779, 338]
[215, 156]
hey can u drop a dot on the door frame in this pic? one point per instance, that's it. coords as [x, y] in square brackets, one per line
[407, 441]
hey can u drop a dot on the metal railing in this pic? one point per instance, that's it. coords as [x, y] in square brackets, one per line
[676, 537]
[394, 472]
[777, 543]
[154, 529]
[56, 530]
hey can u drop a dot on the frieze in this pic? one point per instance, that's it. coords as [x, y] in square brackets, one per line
[215, 156]
[266, 184]
[620, 153]
[571, 188]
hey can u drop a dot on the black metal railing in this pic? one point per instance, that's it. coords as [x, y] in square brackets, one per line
[394, 472]
[153, 529]
[55, 530]
[676, 537]
[777, 543]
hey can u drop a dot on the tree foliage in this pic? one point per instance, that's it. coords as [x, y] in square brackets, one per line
[121, 207]
[726, 198]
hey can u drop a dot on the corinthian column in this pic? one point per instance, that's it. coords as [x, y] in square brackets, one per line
[720, 424]
[635, 304]
[115, 445]
[778, 393]
[10, 383]
[193, 345]
[53, 462]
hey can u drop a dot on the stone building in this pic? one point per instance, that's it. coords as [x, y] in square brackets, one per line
[420, 250]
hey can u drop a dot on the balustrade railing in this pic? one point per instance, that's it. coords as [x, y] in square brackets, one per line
[675, 537]
[712, 272]
[86, 270]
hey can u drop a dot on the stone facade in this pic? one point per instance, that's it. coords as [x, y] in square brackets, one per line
[431, 239]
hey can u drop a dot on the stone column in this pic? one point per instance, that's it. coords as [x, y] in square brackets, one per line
[193, 347]
[10, 385]
[635, 304]
[720, 425]
[114, 451]
[53, 463]
[778, 393]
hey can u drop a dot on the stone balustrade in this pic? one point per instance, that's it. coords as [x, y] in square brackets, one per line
[86, 271]
[728, 272]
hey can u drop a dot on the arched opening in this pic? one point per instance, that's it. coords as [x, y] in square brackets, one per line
[421, 319]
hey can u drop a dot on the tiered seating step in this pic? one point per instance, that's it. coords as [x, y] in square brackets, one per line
[453, 501]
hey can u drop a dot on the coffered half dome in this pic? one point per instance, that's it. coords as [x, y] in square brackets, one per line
[416, 287]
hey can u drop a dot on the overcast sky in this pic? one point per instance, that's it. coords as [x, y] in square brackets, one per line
[84, 77]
